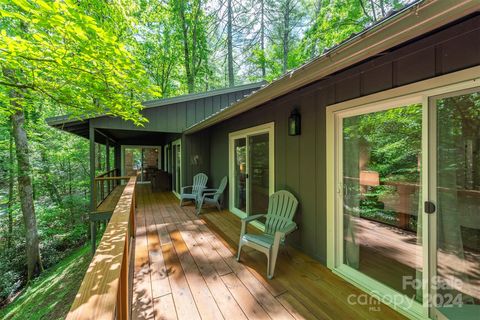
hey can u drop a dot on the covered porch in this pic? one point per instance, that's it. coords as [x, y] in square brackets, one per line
[185, 268]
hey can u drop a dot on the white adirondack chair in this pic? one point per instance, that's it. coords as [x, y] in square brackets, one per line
[282, 206]
[212, 196]
[199, 184]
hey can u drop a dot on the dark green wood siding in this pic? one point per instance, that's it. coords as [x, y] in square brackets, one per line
[175, 117]
[300, 165]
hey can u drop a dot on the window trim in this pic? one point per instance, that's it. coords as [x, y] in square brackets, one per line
[413, 93]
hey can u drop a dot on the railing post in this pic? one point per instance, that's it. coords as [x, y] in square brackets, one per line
[94, 194]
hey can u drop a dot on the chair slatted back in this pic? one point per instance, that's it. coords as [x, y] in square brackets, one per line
[221, 189]
[199, 182]
[282, 206]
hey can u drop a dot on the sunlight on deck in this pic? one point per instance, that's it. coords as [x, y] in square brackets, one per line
[185, 269]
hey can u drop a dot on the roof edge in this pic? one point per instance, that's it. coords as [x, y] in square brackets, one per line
[58, 120]
[200, 95]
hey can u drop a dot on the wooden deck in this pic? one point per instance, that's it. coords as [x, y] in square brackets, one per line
[110, 202]
[185, 269]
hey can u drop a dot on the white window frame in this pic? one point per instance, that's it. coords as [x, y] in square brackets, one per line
[412, 93]
[245, 133]
[178, 143]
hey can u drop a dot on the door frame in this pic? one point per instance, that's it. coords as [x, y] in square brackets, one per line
[178, 143]
[245, 133]
[432, 170]
[419, 91]
[132, 146]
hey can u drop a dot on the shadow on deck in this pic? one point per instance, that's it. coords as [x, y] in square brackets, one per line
[185, 268]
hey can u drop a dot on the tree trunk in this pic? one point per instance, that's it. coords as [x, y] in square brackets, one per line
[46, 175]
[262, 38]
[316, 47]
[382, 8]
[286, 34]
[231, 77]
[11, 194]
[373, 10]
[186, 50]
[25, 190]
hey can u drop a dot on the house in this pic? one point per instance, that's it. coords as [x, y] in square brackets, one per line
[410, 82]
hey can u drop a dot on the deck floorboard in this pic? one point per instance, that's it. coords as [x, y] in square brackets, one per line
[185, 268]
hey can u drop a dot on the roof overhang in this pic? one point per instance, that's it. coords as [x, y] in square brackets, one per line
[80, 125]
[406, 25]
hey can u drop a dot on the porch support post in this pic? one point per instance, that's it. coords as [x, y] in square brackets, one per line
[107, 153]
[118, 158]
[93, 227]
[107, 164]
[92, 166]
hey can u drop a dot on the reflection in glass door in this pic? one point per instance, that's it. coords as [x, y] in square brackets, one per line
[140, 161]
[240, 174]
[407, 202]
[251, 170]
[455, 190]
[258, 173]
[381, 198]
[176, 166]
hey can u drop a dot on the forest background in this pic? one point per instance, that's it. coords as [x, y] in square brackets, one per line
[89, 56]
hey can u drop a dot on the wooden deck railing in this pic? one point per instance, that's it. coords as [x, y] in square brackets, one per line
[103, 185]
[105, 292]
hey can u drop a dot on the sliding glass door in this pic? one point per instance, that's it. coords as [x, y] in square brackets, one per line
[407, 201]
[140, 160]
[455, 189]
[251, 170]
[381, 202]
[177, 166]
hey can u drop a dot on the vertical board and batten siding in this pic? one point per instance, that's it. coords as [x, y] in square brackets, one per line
[175, 117]
[300, 161]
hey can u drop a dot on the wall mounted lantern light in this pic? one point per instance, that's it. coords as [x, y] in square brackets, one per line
[294, 123]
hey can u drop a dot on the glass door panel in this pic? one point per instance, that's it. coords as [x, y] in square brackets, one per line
[240, 174]
[258, 173]
[133, 161]
[176, 166]
[456, 289]
[381, 176]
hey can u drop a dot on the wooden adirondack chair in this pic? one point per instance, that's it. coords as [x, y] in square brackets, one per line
[212, 196]
[199, 184]
[282, 206]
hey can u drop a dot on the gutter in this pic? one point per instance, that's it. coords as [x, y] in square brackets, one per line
[409, 23]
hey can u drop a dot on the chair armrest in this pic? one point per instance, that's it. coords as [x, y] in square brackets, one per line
[209, 190]
[289, 228]
[185, 187]
[206, 194]
[280, 234]
[247, 220]
[254, 217]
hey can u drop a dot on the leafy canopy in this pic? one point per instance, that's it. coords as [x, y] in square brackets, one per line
[51, 50]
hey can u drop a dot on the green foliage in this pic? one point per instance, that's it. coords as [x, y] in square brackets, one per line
[52, 51]
[92, 57]
[51, 295]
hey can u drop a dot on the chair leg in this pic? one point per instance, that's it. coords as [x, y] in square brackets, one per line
[219, 207]
[268, 265]
[198, 206]
[274, 255]
[240, 245]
